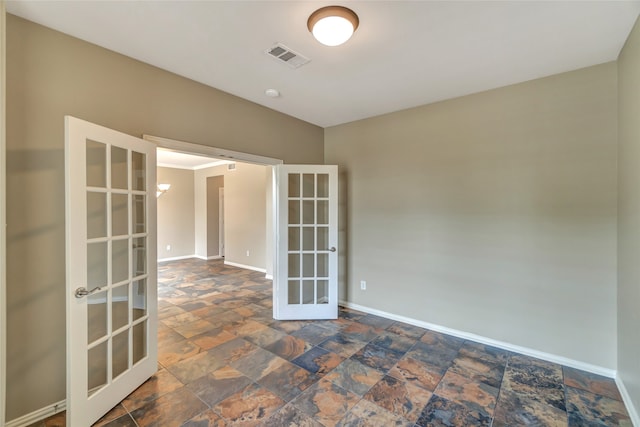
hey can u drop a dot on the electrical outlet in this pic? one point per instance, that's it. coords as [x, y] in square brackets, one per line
[363, 285]
[247, 253]
[168, 247]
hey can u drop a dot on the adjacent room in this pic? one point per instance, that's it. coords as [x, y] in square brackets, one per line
[456, 185]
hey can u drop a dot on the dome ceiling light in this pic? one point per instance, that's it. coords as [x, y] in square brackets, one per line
[333, 25]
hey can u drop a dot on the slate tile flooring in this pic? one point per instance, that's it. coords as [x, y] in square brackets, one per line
[223, 361]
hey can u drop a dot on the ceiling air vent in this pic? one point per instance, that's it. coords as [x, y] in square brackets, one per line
[283, 54]
[231, 166]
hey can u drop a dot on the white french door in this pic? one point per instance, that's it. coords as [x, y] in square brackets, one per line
[306, 262]
[111, 267]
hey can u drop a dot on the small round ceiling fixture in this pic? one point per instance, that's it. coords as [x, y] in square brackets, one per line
[272, 93]
[333, 25]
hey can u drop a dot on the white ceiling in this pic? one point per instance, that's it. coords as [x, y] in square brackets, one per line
[174, 159]
[404, 54]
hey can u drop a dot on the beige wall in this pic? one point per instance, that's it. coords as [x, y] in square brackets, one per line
[629, 217]
[50, 75]
[214, 184]
[176, 225]
[493, 214]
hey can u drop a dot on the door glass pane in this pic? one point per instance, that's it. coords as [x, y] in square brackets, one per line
[308, 292]
[323, 212]
[308, 185]
[139, 341]
[323, 238]
[96, 316]
[294, 185]
[120, 353]
[294, 212]
[323, 185]
[120, 307]
[308, 234]
[119, 217]
[323, 292]
[97, 368]
[138, 214]
[294, 292]
[119, 178]
[138, 171]
[307, 265]
[96, 215]
[307, 212]
[139, 256]
[139, 299]
[294, 265]
[119, 260]
[323, 265]
[96, 264]
[96, 164]
[294, 238]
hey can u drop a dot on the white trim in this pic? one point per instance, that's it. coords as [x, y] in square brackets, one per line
[208, 151]
[628, 402]
[194, 168]
[38, 415]
[268, 276]
[610, 373]
[3, 221]
[205, 258]
[247, 267]
[176, 258]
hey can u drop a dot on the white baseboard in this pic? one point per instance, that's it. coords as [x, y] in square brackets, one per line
[207, 258]
[178, 258]
[631, 409]
[38, 415]
[610, 373]
[248, 267]
[268, 276]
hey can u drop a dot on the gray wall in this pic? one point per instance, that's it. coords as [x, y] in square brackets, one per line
[214, 184]
[176, 213]
[201, 208]
[50, 75]
[493, 214]
[629, 216]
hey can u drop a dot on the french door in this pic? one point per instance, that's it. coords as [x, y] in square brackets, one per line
[111, 267]
[306, 262]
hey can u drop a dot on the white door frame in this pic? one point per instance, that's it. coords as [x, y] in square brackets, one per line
[3, 221]
[237, 156]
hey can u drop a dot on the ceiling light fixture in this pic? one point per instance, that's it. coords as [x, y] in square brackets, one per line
[162, 188]
[333, 25]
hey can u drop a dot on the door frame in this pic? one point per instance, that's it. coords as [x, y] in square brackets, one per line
[3, 221]
[237, 156]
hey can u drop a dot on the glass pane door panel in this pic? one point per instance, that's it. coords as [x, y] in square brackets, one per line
[323, 292]
[120, 353]
[323, 265]
[308, 185]
[138, 171]
[96, 215]
[96, 164]
[294, 185]
[323, 185]
[96, 316]
[308, 292]
[139, 248]
[323, 238]
[139, 341]
[308, 238]
[308, 269]
[119, 215]
[138, 217]
[119, 169]
[323, 212]
[120, 306]
[294, 265]
[294, 292]
[139, 299]
[294, 212]
[294, 238]
[307, 212]
[96, 266]
[97, 368]
[119, 260]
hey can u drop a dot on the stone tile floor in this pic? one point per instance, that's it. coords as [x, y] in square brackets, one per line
[225, 361]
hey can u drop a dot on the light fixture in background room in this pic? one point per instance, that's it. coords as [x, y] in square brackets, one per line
[333, 25]
[162, 188]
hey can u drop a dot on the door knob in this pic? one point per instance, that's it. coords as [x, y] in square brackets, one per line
[332, 249]
[83, 292]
